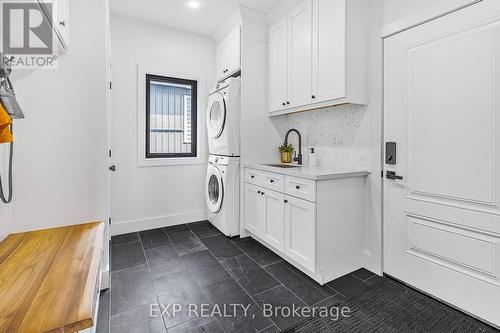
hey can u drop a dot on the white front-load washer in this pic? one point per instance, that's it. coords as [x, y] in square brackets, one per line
[222, 192]
[223, 118]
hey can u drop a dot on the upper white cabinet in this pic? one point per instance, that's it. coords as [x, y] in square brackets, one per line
[273, 231]
[328, 57]
[324, 53]
[59, 20]
[63, 22]
[278, 61]
[229, 54]
[299, 55]
[255, 212]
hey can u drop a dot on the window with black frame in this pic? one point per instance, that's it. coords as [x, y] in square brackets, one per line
[171, 114]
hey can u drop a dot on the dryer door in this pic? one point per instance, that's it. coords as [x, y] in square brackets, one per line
[216, 115]
[214, 189]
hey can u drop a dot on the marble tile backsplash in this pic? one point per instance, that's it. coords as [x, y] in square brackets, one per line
[340, 135]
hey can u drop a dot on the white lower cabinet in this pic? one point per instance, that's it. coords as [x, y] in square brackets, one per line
[317, 226]
[264, 215]
[255, 212]
[300, 231]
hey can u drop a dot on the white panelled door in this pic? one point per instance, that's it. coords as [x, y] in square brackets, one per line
[442, 219]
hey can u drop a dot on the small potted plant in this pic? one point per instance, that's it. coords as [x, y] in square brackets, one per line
[286, 153]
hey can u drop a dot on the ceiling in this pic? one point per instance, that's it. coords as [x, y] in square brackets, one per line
[177, 14]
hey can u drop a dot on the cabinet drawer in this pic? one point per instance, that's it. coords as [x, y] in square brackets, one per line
[300, 188]
[273, 181]
[253, 177]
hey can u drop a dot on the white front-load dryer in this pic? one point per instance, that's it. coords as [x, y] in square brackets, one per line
[223, 118]
[222, 192]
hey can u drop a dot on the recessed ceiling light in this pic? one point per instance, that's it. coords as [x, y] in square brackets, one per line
[193, 4]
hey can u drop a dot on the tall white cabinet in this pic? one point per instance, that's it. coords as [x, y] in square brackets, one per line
[229, 54]
[317, 56]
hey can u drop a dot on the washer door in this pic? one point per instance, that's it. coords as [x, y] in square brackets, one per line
[216, 115]
[214, 189]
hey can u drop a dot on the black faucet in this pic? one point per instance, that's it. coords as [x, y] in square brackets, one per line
[299, 157]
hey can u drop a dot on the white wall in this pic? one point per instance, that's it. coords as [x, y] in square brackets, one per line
[149, 197]
[60, 148]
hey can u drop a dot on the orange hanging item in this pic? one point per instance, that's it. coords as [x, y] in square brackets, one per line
[5, 123]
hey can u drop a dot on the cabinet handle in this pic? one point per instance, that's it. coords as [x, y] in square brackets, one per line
[271, 181]
[262, 193]
[313, 96]
[288, 103]
[297, 187]
[286, 201]
[259, 192]
[252, 177]
[283, 103]
[63, 23]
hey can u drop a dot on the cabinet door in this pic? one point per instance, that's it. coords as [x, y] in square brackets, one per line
[300, 232]
[300, 54]
[233, 51]
[229, 54]
[255, 213]
[274, 227]
[329, 50]
[221, 61]
[278, 65]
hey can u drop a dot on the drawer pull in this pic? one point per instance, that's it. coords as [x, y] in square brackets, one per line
[271, 181]
[262, 193]
[286, 201]
[252, 176]
[297, 187]
[259, 192]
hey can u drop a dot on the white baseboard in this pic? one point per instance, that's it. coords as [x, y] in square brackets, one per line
[2, 237]
[120, 228]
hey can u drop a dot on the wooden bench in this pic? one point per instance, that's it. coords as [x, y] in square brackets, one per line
[50, 279]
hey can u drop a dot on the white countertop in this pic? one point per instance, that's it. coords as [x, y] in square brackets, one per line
[313, 173]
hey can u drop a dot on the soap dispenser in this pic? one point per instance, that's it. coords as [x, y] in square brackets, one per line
[313, 158]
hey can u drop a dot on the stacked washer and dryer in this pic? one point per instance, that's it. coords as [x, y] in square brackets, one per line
[222, 188]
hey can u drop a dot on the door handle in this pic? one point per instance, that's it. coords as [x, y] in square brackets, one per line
[392, 175]
[112, 168]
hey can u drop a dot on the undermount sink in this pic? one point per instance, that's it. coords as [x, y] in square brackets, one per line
[283, 166]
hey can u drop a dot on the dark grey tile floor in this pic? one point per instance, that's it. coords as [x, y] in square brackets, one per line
[205, 273]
